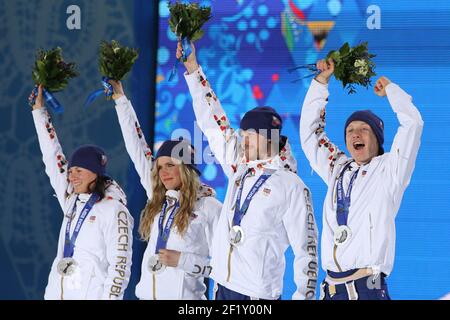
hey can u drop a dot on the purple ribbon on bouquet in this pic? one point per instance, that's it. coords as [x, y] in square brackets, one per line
[49, 98]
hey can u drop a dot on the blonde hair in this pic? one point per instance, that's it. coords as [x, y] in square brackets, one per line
[190, 184]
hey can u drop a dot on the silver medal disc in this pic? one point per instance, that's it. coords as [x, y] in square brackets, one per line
[236, 235]
[341, 235]
[67, 266]
[154, 265]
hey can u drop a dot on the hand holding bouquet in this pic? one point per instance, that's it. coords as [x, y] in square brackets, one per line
[53, 73]
[186, 21]
[115, 62]
[352, 66]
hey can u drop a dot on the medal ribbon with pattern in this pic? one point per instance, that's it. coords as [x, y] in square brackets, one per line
[239, 211]
[69, 243]
[163, 233]
[344, 200]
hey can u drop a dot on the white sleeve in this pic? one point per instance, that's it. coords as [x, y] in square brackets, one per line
[321, 153]
[214, 208]
[135, 143]
[52, 154]
[301, 229]
[403, 154]
[196, 264]
[118, 236]
[213, 122]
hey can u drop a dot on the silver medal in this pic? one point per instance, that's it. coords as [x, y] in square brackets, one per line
[154, 265]
[236, 236]
[341, 235]
[67, 266]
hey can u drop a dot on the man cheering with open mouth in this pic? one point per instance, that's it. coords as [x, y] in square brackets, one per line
[364, 190]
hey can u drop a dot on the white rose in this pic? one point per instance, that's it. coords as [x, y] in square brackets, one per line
[363, 71]
[360, 63]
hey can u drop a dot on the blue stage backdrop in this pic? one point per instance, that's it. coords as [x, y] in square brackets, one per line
[247, 49]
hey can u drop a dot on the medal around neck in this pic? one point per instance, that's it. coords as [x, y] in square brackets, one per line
[341, 235]
[173, 195]
[154, 265]
[236, 236]
[67, 266]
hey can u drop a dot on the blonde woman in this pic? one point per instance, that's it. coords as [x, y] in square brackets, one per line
[180, 215]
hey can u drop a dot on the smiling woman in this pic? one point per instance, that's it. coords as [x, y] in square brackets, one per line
[81, 179]
[87, 264]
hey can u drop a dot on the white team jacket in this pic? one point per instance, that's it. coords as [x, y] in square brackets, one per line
[280, 214]
[377, 191]
[186, 281]
[103, 248]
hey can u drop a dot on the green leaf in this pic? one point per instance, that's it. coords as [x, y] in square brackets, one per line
[197, 35]
[345, 49]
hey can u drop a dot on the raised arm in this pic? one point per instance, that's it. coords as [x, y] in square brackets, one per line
[321, 153]
[403, 154]
[135, 143]
[52, 153]
[211, 117]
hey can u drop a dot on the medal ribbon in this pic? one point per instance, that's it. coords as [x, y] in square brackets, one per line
[239, 211]
[163, 234]
[343, 201]
[69, 243]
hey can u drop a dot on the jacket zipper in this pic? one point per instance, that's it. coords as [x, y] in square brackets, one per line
[335, 259]
[370, 231]
[62, 287]
[229, 263]
[154, 286]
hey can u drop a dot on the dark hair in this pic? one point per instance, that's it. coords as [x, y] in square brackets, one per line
[283, 141]
[100, 186]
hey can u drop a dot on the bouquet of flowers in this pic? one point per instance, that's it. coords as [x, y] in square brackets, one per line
[353, 66]
[53, 73]
[115, 62]
[186, 21]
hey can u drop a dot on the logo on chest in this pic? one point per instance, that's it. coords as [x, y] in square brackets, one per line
[266, 191]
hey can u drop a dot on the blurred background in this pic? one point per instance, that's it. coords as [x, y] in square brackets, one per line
[246, 52]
